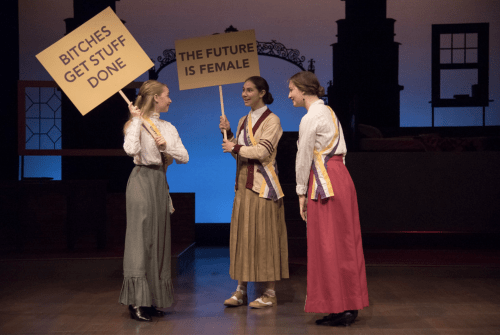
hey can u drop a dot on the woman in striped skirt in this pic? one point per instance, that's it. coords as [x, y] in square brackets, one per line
[154, 144]
[258, 240]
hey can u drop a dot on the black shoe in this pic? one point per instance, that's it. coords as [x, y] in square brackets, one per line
[328, 318]
[344, 319]
[154, 312]
[139, 314]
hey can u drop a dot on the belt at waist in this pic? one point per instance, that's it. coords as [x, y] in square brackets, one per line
[249, 161]
[153, 167]
[339, 158]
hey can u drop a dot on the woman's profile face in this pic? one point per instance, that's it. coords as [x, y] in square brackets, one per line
[163, 101]
[295, 95]
[251, 96]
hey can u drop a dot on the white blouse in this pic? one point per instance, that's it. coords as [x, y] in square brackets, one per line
[141, 145]
[316, 131]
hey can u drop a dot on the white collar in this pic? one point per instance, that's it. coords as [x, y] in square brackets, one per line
[256, 114]
[317, 102]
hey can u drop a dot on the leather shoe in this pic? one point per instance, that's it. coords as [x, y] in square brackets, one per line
[139, 314]
[328, 318]
[343, 319]
[154, 312]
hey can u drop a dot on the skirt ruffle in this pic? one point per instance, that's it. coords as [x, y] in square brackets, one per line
[135, 291]
[147, 257]
[165, 296]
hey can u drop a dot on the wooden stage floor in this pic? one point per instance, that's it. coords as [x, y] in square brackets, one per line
[428, 292]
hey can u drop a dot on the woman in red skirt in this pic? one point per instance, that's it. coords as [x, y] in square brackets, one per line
[336, 277]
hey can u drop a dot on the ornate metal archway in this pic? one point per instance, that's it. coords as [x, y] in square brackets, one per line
[271, 49]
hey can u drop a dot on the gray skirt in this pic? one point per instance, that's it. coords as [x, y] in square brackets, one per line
[146, 261]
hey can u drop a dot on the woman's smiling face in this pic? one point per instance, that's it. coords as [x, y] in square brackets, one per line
[163, 101]
[251, 96]
[295, 95]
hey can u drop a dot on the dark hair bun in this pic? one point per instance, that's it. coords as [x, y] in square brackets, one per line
[321, 92]
[268, 98]
[262, 85]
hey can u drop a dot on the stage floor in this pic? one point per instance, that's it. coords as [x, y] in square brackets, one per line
[453, 292]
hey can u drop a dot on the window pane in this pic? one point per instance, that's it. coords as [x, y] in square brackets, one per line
[46, 111]
[458, 56]
[471, 40]
[46, 142]
[445, 56]
[445, 41]
[457, 83]
[458, 41]
[471, 55]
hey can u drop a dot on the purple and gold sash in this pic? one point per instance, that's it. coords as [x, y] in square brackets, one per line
[271, 188]
[322, 186]
[151, 128]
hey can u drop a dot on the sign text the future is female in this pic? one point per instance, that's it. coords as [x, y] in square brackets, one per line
[216, 59]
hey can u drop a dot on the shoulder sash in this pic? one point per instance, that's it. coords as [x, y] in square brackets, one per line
[322, 186]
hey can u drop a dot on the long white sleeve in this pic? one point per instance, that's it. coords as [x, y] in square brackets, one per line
[305, 153]
[141, 145]
[132, 142]
[175, 148]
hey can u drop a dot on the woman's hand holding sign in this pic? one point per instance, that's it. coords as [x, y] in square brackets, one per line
[224, 124]
[161, 143]
[134, 110]
[227, 146]
[160, 140]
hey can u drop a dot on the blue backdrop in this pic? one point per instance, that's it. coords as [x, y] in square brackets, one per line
[210, 173]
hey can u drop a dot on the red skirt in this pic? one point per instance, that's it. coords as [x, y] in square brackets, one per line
[336, 275]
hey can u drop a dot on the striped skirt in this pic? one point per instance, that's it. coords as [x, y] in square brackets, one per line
[258, 243]
[146, 261]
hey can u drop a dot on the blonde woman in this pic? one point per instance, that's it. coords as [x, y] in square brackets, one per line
[154, 144]
[258, 239]
[336, 277]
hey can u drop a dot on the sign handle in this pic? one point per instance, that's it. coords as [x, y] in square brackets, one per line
[124, 97]
[147, 125]
[222, 108]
